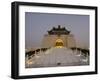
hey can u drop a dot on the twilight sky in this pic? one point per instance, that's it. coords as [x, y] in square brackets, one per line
[37, 24]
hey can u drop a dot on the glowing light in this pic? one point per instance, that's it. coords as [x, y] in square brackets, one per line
[59, 46]
[59, 43]
[30, 62]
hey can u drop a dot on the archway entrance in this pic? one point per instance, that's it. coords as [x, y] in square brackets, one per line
[59, 43]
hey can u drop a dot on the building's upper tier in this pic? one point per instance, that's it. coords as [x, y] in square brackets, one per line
[58, 31]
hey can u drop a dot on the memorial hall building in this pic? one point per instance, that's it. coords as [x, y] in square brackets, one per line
[58, 37]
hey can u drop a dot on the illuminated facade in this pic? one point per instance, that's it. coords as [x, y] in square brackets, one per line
[58, 37]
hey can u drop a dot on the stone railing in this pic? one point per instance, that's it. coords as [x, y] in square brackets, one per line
[32, 53]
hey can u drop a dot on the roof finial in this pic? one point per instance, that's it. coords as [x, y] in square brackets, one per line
[59, 26]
